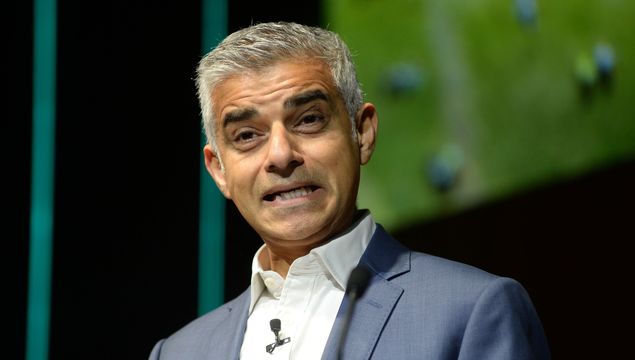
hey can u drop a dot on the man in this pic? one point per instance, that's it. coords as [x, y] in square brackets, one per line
[287, 133]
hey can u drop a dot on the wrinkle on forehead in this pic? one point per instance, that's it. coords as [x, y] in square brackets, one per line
[267, 85]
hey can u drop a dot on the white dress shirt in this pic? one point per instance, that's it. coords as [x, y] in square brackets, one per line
[307, 301]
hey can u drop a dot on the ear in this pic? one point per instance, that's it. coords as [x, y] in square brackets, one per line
[213, 165]
[366, 122]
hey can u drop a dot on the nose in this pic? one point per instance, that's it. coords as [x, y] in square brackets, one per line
[283, 156]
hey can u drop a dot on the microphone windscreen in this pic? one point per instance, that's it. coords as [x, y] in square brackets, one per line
[275, 325]
[358, 281]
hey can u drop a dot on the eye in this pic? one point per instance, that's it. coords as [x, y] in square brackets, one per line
[246, 139]
[309, 119]
[245, 136]
[311, 122]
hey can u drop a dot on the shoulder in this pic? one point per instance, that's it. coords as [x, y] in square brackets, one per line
[407, 268]
[435, 269]
[439, 282]
[471, 305]
[206, 331]
[459, 282]
[448, 284]
[448, 309]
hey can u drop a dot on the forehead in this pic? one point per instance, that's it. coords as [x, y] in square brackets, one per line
[273, 84]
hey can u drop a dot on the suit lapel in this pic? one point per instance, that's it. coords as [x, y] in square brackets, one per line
[386, 259]
[236, 324]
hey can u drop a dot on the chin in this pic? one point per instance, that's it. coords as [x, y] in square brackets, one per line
[302, 231]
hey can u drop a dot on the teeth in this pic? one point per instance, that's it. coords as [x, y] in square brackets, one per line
[288, 195]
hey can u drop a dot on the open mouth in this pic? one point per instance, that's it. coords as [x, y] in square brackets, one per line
[291, 194]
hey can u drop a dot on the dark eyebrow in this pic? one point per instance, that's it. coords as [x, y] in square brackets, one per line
[239, 115]
[305, 98]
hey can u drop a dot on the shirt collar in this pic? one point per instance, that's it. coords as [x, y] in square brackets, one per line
[341, 255]
[338, 257]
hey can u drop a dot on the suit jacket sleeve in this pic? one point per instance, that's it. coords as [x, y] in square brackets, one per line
[504, 325]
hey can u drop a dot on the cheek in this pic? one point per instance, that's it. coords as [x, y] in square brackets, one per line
[341, 165]
[240, 178]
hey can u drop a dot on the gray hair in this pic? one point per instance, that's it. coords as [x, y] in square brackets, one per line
[262, 45]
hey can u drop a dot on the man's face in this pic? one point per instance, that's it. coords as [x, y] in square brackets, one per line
[291, 165]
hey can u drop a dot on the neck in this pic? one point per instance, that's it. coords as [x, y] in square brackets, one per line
[278, 255]
[279, 260]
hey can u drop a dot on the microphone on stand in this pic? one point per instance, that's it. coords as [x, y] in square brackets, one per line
[357, 284]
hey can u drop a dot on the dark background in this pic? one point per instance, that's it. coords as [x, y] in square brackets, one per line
[127, 162]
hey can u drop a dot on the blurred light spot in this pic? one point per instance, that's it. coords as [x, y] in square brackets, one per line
[526, 12]
[605, 62]
[444, 168]
[403, 78]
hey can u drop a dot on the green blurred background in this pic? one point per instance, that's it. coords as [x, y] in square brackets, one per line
[479, 99]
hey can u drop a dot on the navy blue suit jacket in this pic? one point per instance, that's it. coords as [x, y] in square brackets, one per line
[417, 306]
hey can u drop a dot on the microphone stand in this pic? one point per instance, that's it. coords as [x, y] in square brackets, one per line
[357, 284]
